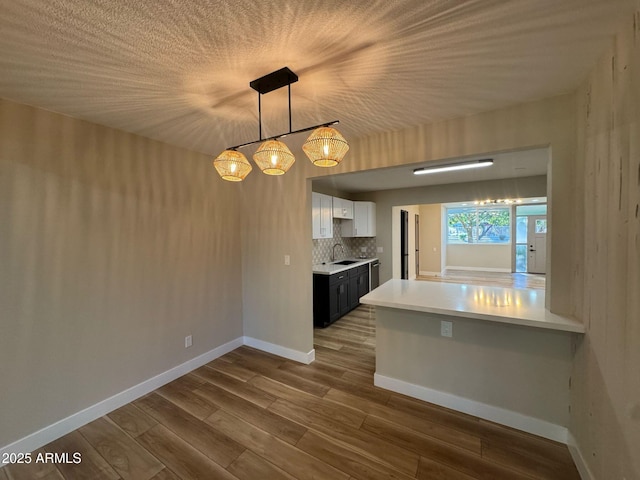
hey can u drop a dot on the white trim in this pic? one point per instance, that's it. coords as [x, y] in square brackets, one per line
[60, 428]
[281, 351]
[578, 458]
[499, 415]
[479, 269]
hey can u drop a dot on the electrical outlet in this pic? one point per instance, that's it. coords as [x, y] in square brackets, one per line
[379, 249]
[446, 329]
[188, 341]
[287, 260]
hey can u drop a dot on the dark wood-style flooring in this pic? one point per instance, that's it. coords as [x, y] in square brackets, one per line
[254, 416]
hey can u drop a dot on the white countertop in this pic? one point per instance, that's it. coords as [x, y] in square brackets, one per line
[495, 304]
[331, 268]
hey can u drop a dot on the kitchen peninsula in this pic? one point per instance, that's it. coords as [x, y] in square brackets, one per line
[492, 352]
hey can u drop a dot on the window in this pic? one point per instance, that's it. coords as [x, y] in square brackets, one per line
[479, 225]
[541, 226]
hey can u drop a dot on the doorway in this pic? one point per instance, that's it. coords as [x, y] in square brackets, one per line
[530, 249]
[537, 244]
[417, 242]
[404, 245]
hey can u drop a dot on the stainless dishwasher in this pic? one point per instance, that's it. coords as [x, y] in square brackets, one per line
[374, 275]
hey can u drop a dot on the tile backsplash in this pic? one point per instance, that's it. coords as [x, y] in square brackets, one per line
[322, 247]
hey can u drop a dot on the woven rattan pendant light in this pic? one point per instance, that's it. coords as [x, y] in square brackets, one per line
[232, 166]
[273, 157]
[325, 147]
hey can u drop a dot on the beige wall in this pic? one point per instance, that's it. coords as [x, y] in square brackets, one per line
[113, 248]
[431, 238]
[605, 418]
[276, 221]
[489, 257]
[520, 369]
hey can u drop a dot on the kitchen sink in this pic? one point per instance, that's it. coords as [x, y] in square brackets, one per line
[345, 262]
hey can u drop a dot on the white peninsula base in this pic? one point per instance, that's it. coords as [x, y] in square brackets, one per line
[511, 369]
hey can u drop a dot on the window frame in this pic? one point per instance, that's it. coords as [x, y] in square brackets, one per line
[476, 209]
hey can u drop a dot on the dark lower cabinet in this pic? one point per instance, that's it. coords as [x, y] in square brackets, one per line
[337, 294]
[358, 284]
[341, 290]
[330, 298]
[363, 281]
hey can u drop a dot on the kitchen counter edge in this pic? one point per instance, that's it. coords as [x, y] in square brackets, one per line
[331, 268]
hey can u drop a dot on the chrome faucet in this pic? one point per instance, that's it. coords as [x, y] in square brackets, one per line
[333, 251]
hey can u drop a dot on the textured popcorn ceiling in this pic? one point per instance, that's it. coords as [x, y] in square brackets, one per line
[179, 70]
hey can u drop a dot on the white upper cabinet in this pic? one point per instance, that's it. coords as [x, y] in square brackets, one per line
[363, 223]
[321, 215]
[342, 208]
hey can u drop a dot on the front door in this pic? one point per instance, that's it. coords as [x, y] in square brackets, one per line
[537, 244]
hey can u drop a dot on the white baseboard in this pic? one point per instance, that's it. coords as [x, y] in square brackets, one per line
[281, 351]
[578, 459]
[430, 274]
[60, 428]
[480, 269]
[488, 412]
[66, 425]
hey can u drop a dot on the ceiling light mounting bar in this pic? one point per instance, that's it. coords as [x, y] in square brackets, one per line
[289, 90]
[274, 81]
[285, 134]
[259, 117]
[268, 83]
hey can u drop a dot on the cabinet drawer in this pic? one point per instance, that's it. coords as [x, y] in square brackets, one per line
[338, 277]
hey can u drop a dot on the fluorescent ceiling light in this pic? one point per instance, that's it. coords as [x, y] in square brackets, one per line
[454, 166]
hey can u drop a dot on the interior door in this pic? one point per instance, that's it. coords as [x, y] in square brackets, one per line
[417, 235]
[537, 244]
[404, 244]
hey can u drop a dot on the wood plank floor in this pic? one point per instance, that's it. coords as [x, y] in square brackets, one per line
[492, 279]
[251, 415]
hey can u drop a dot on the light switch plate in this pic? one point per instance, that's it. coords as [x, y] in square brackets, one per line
[446, 328]
[379, 249]
[287, 260]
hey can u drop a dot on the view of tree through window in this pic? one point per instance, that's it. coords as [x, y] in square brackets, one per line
[479, 225]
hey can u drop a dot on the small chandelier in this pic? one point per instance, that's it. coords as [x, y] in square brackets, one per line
[325, 147]
[500, 201]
